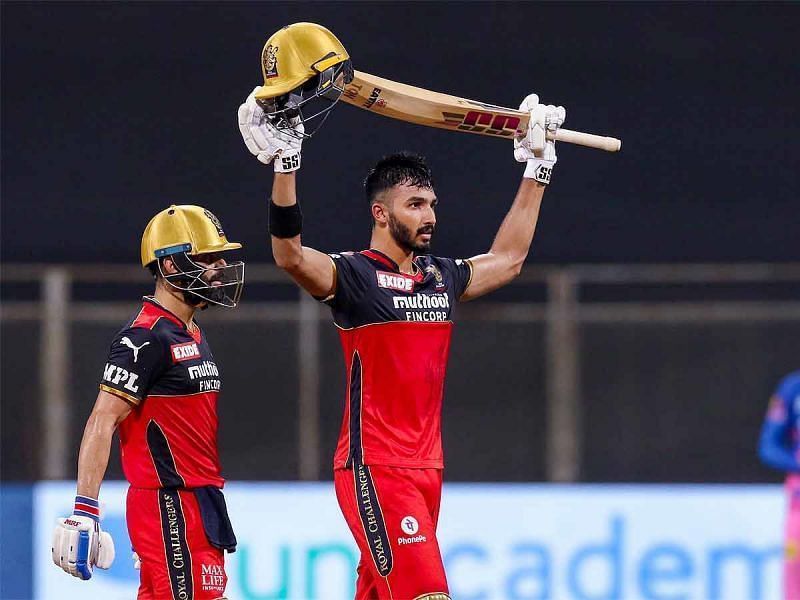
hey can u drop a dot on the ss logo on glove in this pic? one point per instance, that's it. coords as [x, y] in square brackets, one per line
[290, 163]
[542, 174]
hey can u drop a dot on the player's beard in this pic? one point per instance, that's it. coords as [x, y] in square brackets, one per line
[405, 239]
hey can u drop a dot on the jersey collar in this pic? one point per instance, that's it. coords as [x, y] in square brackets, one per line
[379, 257]
[168, 314]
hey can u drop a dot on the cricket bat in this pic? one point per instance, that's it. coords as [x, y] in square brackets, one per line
[434, 109]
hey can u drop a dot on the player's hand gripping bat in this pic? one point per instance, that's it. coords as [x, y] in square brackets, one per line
[434, 109]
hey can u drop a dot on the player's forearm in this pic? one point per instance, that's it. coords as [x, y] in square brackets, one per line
[513, 239]
[284, 189]
[288, 252]
[94, 453]
[311, 269]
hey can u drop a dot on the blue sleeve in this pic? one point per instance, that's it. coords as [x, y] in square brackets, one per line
[775, 447]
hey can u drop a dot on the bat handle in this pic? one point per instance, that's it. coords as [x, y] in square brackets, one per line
[601, 142]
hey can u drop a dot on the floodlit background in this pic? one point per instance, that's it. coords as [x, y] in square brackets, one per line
[633, 358]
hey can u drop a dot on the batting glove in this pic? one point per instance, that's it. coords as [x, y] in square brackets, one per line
[265, 141]
[534, 148]
[79, 544]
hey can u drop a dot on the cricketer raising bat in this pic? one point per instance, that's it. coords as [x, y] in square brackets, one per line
[434, 109]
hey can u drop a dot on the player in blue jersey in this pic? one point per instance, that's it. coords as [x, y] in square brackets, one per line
[779, 447]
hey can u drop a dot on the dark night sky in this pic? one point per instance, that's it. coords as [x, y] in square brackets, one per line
[112, 111]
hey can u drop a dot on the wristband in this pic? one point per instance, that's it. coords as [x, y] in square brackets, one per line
[285, 221]
[288, 161]
[87, 507]
[540, 170]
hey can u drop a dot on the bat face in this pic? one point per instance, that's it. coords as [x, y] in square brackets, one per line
[432, 109]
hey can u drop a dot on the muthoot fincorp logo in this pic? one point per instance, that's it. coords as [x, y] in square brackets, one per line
[422, 301]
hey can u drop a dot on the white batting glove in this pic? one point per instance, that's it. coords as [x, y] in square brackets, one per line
[137, 562]
[265, 141]
[79, 545]
[534, 148]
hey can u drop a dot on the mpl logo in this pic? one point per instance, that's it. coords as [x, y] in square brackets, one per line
[185, 351]
[116, 375]
[409, 525]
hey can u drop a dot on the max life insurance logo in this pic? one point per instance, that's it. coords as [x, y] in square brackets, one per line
[212, 578]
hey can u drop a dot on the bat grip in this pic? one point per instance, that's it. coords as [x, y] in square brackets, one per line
[590, 140]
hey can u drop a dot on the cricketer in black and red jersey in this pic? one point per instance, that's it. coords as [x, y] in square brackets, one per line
[160, 387]
[393, 305]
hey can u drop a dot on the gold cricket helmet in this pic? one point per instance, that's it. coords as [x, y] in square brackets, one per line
[185, 231]
[305, 69]
[185, 228]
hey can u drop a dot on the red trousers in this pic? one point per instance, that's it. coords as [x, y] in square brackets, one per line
[393, 513]
[178, 562]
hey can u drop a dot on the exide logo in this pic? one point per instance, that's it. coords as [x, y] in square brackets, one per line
[185, 351]
[393, 281]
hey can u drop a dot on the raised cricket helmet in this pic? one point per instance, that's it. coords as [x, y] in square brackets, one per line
[182, 233]
[305, 70]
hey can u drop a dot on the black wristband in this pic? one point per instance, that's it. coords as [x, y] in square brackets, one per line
[285, 221]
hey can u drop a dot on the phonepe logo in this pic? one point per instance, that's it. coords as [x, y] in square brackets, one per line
[409, 525]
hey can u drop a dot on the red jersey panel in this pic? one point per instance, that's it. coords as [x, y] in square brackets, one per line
[169, 376]
[395, 333]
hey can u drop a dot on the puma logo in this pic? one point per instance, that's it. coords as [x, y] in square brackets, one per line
[126, 341]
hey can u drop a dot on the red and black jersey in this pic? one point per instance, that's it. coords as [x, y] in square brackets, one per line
[395, 332]
[168, 374]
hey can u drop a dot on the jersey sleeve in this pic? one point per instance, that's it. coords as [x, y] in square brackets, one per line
[459, 271]
[351, 282]
[775, 447]
[135, 361]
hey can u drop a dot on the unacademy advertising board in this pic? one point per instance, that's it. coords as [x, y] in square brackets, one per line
[499, 542]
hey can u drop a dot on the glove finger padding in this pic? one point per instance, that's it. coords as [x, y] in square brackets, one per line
[79, 544]
[529, 103]
[536, 129]
[534, 148]
[554, 117]
[105, 550]
[66, 547]
[264, 140]
[55, 548]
